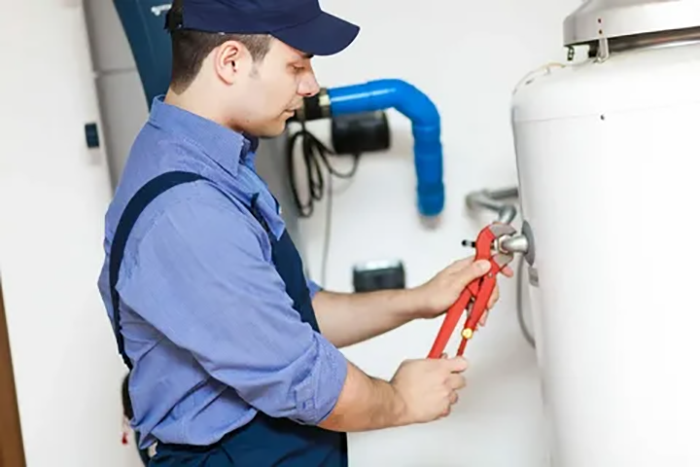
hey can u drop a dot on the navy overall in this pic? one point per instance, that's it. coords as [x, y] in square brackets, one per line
[265, 441]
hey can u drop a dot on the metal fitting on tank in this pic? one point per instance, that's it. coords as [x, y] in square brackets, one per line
[522, 243]
[513, 244]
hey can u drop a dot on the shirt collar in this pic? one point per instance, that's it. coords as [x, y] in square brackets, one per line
[225, 146]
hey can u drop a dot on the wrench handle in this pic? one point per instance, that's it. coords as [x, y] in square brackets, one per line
[477, 311]
[482, 300]
[450, 323]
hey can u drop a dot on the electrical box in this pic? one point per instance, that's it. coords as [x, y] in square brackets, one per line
[378, 275]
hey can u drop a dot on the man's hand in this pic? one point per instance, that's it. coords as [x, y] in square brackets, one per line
[346, 319]
[428, 388]
[421, 391]
[440, 292]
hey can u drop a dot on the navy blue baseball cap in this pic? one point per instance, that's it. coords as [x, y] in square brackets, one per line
[298, 23]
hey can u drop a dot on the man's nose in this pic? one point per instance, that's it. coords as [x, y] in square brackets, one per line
[309, 86]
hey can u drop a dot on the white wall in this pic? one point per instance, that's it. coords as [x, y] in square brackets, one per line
[53, 194]
[467, 57]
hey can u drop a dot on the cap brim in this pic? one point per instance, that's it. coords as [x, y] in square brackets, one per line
[324, 35]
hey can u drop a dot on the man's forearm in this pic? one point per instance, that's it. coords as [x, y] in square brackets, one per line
[366, 403]
[346, 319]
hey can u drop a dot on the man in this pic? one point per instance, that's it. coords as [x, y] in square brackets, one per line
[233, 353]
[127, 415]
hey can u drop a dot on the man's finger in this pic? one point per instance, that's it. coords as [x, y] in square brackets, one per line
[484, 317]
[495, 295]
[456, 381]
[507, 271]
[456, 364]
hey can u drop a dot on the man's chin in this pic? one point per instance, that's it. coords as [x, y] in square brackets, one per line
[273, 131]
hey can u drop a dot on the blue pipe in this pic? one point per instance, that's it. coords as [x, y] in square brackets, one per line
[417, 107]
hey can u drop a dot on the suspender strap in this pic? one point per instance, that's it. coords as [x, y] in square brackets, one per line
[131, 213]
[255, 211]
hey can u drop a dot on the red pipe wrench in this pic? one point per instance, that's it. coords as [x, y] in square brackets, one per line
[475, 297]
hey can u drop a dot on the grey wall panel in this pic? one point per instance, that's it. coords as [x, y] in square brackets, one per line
[109, 46]
[124, 111]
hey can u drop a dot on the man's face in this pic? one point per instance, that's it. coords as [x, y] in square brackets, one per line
[273, 88]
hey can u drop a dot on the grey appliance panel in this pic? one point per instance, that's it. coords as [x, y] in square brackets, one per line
[123, 110]
[109, 47]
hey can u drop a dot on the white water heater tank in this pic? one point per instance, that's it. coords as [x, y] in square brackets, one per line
[608, 155]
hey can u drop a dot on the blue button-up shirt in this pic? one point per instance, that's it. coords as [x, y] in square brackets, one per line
[205, 316]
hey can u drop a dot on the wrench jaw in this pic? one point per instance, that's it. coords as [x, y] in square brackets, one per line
[501, 260]
[487, 245]
[500, 230]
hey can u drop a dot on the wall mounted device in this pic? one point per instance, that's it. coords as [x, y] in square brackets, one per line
[378, 275]
[411, 102]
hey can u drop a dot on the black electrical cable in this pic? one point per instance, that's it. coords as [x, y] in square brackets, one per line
[314, 155]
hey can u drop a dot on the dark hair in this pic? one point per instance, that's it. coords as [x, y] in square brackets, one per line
[190, 48]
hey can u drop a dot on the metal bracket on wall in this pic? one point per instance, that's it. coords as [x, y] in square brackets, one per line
[603, 52]
[533, 276]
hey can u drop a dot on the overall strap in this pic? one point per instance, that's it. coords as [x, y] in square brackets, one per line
[131, 213]
[255, 211]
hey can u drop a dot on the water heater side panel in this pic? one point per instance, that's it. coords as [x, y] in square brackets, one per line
[606, 195]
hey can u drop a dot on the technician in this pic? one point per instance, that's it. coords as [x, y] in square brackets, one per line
[233, 353]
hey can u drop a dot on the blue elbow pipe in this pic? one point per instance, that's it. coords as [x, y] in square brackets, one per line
[417, 107]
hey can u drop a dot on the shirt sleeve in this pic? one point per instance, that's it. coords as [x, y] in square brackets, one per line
[314, 288]
[201, 278]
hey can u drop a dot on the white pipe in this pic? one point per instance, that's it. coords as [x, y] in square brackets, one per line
[491, 199]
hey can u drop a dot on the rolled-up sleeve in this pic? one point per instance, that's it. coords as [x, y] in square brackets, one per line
[203, 281]
[314, 288]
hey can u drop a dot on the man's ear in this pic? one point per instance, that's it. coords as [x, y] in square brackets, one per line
[231, 61]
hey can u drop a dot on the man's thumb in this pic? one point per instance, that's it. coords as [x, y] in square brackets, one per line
[477, 269]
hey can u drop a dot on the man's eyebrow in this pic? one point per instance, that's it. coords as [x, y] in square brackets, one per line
[302, 56]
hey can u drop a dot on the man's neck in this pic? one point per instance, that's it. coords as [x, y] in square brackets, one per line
[196, 104]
